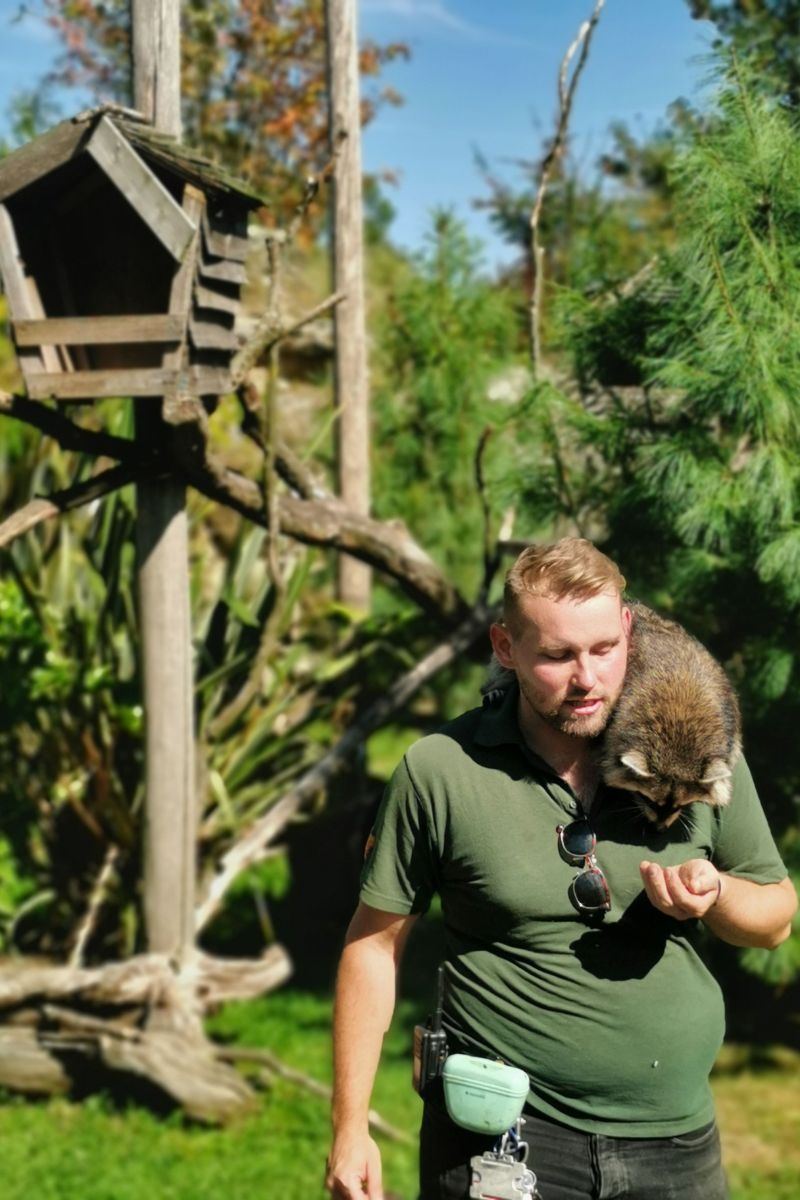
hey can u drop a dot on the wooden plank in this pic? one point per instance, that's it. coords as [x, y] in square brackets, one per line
[208, 335]
[99, 331]
[180, 297]
[51, 358]
[93, 385]
[210, 381]
[351, 383]
[15, 286]
[223, 270]
[205, 297]
[142, 189]
[39, 157]
[222, 244]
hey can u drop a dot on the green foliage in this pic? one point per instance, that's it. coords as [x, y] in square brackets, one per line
[253, 80]
[596, 231]
[681, 453]
[444, 334]
[280, 672]
[767, 33]
[29, 114]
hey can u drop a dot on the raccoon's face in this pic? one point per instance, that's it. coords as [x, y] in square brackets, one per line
[663, 798]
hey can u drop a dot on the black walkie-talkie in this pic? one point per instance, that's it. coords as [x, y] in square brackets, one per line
[430, 1043]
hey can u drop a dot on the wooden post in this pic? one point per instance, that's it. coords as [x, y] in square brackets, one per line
[163, 549]
[351, 381]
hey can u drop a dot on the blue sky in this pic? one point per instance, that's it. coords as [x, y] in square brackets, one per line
[482, 74]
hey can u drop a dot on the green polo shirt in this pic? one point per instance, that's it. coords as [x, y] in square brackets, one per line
[618, 1023]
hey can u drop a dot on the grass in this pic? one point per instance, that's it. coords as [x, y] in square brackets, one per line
[60, 1150]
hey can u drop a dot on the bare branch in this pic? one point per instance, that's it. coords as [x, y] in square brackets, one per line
[566, 95]
[89, 921]
[252, 845]
[267, 333]
[387, 546]
[276, 1067]
[43, 508]
[61, 429]
[491, 559]
[316, 519]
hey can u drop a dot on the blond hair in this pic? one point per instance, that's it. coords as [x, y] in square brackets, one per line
[571, 567]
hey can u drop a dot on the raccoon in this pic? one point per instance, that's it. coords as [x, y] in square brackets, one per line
[675, 733]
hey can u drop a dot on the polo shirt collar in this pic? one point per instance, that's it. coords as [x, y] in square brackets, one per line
[498, 725]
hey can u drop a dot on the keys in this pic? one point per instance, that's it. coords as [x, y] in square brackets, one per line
[501, 1174]
[496, 1177]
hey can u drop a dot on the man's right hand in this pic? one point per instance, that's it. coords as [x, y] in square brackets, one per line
[354, 1170]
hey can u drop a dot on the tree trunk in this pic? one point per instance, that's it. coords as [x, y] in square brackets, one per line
[163, 546]
[351, 382]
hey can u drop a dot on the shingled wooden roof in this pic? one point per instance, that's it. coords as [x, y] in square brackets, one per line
[72, 137]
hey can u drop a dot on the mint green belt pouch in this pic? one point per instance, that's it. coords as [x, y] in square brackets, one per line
[483, 1095]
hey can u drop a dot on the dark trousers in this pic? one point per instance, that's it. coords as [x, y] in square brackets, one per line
[578, 1166]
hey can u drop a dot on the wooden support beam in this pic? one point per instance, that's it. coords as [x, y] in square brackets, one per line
[351, 382]
[99, 331]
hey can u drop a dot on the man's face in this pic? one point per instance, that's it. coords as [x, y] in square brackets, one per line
[569, 656]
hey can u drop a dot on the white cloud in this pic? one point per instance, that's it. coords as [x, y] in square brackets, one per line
[436, 12]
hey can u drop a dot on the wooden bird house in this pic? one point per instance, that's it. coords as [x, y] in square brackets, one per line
[122, 256]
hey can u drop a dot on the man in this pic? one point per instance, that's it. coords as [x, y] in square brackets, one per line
[612, 1014]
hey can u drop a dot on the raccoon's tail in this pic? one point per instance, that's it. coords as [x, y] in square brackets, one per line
[497, 682]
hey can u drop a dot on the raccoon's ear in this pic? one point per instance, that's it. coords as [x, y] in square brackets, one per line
[716, 771]
[635, 761]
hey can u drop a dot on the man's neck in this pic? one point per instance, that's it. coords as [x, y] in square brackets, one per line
[573, 758]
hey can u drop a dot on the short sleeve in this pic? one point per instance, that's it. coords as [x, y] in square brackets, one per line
[399, 873]
[744, 845]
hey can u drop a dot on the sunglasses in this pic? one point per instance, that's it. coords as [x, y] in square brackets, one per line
[588, 891]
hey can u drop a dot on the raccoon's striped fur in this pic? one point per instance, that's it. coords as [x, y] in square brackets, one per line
[675, 732]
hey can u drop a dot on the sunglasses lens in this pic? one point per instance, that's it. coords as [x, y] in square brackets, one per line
[589, 892]
[578, 840]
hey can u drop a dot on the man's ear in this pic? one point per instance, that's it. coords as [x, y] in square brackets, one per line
[501, 644]
[627, 621]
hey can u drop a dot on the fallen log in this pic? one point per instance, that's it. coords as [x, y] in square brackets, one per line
[60, 1023]
[274, 1066]
[147, 979]
[27, 1066]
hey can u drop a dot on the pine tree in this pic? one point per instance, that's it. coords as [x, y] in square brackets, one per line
[685, 447]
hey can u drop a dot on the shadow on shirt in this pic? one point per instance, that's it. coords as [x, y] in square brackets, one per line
[631, 947]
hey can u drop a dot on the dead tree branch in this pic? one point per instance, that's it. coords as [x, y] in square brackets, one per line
[315, 517]
[42, 508]
[268, 333]
[62, 430]
[275, 1067]
[98, 895]
[388, 546]
[567, 86]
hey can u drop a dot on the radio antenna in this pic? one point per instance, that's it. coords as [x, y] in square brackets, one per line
[437, 1015]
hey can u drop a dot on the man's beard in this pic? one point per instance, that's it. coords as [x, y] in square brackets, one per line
[576, 725]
